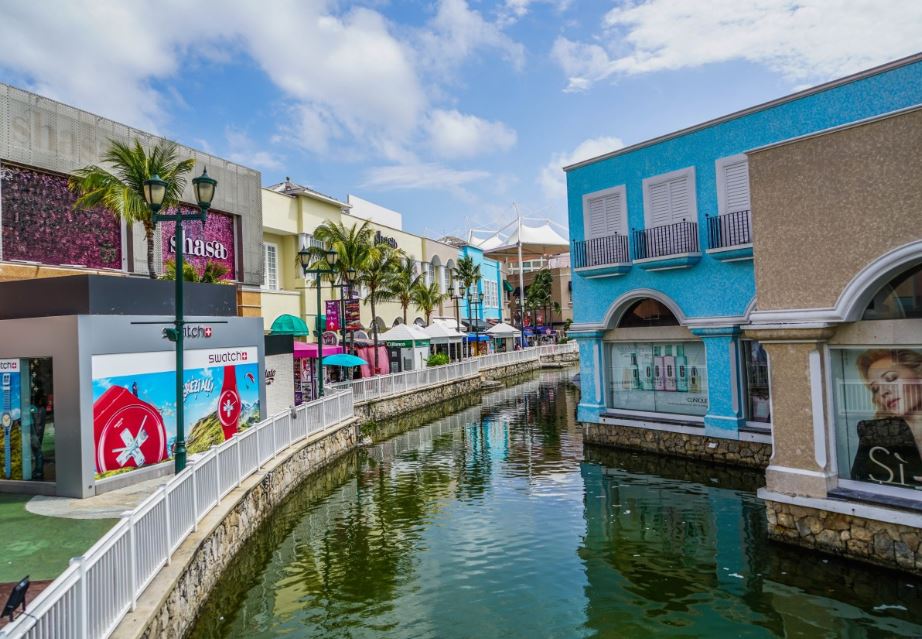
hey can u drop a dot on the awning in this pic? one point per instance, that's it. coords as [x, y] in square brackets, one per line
[507, 286]
[478, 337]
[288, 325]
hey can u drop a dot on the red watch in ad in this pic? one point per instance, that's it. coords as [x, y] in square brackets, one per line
[129, 432]
[229, 403]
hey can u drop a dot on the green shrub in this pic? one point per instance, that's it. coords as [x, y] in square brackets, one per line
[437, 359]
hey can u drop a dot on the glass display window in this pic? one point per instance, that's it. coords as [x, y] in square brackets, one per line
[667, 377]
[878, 414]
[758, 391]
[27, 450]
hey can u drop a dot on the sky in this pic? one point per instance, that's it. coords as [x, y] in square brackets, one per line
[449, 111]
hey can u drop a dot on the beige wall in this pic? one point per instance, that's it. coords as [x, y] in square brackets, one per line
[826, 206]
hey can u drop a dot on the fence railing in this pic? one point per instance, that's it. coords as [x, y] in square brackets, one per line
[558, 349]
[600, 251]
[671, 239]
[396, 383]
[94, 593]
[495, 360]
[730, 229]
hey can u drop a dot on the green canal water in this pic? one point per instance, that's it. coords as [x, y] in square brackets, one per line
[497, 522]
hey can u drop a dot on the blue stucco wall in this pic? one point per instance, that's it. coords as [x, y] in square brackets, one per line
[490, 270]
[713, 288]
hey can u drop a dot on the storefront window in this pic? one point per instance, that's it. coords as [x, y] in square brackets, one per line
[659, 377]
[755, 366]
[26, 420]
[901, 298]
[878, 418]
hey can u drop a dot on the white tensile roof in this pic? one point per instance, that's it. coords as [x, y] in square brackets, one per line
[438, 332]
[537, 240]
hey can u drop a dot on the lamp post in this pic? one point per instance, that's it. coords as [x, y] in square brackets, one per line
[457, 300]
[319, 269]
[154, 194]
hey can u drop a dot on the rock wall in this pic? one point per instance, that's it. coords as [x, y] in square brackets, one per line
[381, 409]
[722, 451]
[561, 358]
[173, 600]
[502, 372]
[876, 542]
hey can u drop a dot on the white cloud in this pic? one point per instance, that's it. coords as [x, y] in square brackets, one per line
[552, 178]
[457, 32]
[242, 149]
[514, 10]
[801, 39]
[455, 135]
[420, 176]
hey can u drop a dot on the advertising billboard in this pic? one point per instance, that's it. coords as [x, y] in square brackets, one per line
[134, 404]
[10, 419]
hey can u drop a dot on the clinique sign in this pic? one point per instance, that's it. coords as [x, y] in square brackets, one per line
[201, 248]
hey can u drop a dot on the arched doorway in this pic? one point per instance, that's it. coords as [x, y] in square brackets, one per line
[653, 364]
[876, 366]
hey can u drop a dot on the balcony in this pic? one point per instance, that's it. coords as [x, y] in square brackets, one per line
[730, 236]
[601, 256]
[667, 247]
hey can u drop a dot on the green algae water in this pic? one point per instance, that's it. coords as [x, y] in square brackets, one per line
[497, 522]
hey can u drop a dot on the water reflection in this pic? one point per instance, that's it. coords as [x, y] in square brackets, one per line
[491, 523]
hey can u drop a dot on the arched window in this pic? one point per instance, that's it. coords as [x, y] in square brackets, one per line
[647, 312]
[900, 298]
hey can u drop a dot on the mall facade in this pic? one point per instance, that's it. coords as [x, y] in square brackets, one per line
[745, 292]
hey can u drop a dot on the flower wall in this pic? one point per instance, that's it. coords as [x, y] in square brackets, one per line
[40, 223]
[214, 242]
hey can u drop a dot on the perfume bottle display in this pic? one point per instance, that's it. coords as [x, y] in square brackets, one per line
[659, 373]
[681, 367]
[669, 365]
[635, 373]
[646, 369]
[694, 380]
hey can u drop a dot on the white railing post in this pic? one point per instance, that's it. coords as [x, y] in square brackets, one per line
[133, 564]
[239, 461]
[194, 496]
[169, 524]
[82, 614]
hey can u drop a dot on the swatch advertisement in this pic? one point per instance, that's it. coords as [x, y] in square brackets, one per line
[134, 404]
[659, 377]
[878, 397]
[10, 419]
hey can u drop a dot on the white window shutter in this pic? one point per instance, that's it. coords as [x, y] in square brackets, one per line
[597, 223]
[736, 186]
[660, 204]
[613, 221]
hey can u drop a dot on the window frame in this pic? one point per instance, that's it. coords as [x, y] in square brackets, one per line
[266, 285]
[648, 183]
[588, 197]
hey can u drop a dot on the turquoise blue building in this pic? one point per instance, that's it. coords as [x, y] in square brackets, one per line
[661, 251]
[490, 285]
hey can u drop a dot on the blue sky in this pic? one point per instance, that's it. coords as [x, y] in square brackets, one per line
[446, 110]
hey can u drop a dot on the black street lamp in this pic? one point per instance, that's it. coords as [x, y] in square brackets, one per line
[319, 270]
[154, 194]
[457, 299]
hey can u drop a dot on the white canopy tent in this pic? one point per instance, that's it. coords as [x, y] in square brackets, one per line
[519, 240]
[413, 342]
[442, 335]
[503, 335]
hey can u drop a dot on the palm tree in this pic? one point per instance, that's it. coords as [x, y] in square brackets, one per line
[375, 274]
[403, 281]
[426, 298]
[121, 190]
[468, 275]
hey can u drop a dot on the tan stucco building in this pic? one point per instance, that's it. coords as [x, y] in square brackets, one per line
[838, 267]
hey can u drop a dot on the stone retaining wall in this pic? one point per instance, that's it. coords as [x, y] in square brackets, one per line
[173, 599]
[561, 358]
[722, 451]
[502, 372]
[876, 542]
[396, 405]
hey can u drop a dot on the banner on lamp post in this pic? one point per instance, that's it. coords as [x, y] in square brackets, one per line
[332, 312]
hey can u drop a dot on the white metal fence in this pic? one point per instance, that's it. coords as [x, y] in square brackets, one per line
[558, 349]
[95, 592]
[396, 383]
[495, 360]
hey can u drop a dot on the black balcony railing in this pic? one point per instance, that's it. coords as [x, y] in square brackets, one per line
[601, 251]
[661, 241]
[729, 229]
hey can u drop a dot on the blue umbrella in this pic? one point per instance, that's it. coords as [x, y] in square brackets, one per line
[343, 359]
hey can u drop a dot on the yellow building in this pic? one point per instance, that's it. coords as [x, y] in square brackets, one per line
[291, 214]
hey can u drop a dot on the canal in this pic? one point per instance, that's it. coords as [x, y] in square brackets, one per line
[496, 522]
